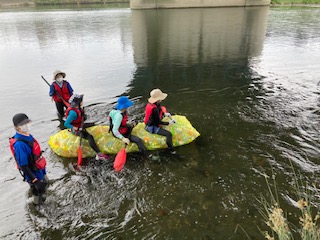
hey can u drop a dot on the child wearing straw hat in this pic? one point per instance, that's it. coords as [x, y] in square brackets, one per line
[153, 117]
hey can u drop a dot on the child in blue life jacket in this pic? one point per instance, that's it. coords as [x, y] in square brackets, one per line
[153, 117]
[28, 155]
[118, 124]
[60, 91]
[74, 120]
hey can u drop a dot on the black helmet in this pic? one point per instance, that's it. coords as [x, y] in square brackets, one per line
[75, 100]
[20, 119]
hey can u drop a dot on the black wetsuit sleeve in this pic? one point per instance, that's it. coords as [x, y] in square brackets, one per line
[28, 172]
[156, 118]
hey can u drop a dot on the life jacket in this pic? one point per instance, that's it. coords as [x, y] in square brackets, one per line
[77, 122]
[149, 109]
[63, 92]
[35, 160]
[123, 129]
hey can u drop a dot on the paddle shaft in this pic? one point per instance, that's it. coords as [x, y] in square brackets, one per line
[64, 101]
[79, 163]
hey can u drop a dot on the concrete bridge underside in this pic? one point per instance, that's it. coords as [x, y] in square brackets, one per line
[154, 4]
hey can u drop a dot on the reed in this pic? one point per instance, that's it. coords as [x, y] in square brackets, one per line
[276, 219]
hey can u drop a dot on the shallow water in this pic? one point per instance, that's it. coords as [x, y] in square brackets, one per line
[249, 84]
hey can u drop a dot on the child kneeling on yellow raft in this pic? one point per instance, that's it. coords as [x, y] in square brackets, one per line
[74, 121]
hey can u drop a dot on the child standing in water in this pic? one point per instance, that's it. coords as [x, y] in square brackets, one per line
[28, 155]
[60, 91]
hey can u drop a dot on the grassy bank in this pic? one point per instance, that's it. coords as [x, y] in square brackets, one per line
[57, 2]
[5, 3]
[60, 2]
[42, 2]
[295, 2]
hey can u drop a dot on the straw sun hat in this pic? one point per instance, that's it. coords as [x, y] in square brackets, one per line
[56, 72]
[156, 95]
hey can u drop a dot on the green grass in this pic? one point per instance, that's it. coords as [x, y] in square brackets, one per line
[295, 1]
[53, 2]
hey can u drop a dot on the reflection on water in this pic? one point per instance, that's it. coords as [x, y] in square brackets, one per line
[196, 36]
[246, 82]
[92, 47]
[197, 45]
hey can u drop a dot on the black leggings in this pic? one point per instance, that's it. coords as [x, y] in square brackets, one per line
[139, 142]
[60, 108]
[168, 136]
[136, 140]
[90, 139]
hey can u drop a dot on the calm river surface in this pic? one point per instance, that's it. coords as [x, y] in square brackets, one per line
[248, 79]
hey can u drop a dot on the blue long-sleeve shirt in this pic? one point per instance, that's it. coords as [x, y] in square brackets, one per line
[71, 117]
[22, 152]
[53, 91]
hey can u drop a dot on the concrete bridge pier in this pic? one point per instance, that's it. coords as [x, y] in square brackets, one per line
[155, 4]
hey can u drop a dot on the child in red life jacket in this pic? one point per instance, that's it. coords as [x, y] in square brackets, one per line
[154, 114]
[27, 153]
[74, 119]
[60, 91]
[118, 124]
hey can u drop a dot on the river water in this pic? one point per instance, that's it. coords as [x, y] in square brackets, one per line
[246, 78]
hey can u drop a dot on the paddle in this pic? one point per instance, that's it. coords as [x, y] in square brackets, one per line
[79, 163]
[120, 159]
[64, 101]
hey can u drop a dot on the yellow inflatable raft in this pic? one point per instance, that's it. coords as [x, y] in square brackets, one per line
[66, 144]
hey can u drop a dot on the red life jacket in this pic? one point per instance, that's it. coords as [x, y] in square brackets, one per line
[123, 129]
[35, 160]
[78, 121]
[149, 109]
[63, 92]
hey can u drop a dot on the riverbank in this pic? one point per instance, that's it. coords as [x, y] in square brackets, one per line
[9, 3]
[13, 3]
[295, 2]
[61, 2]
[4, 3]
